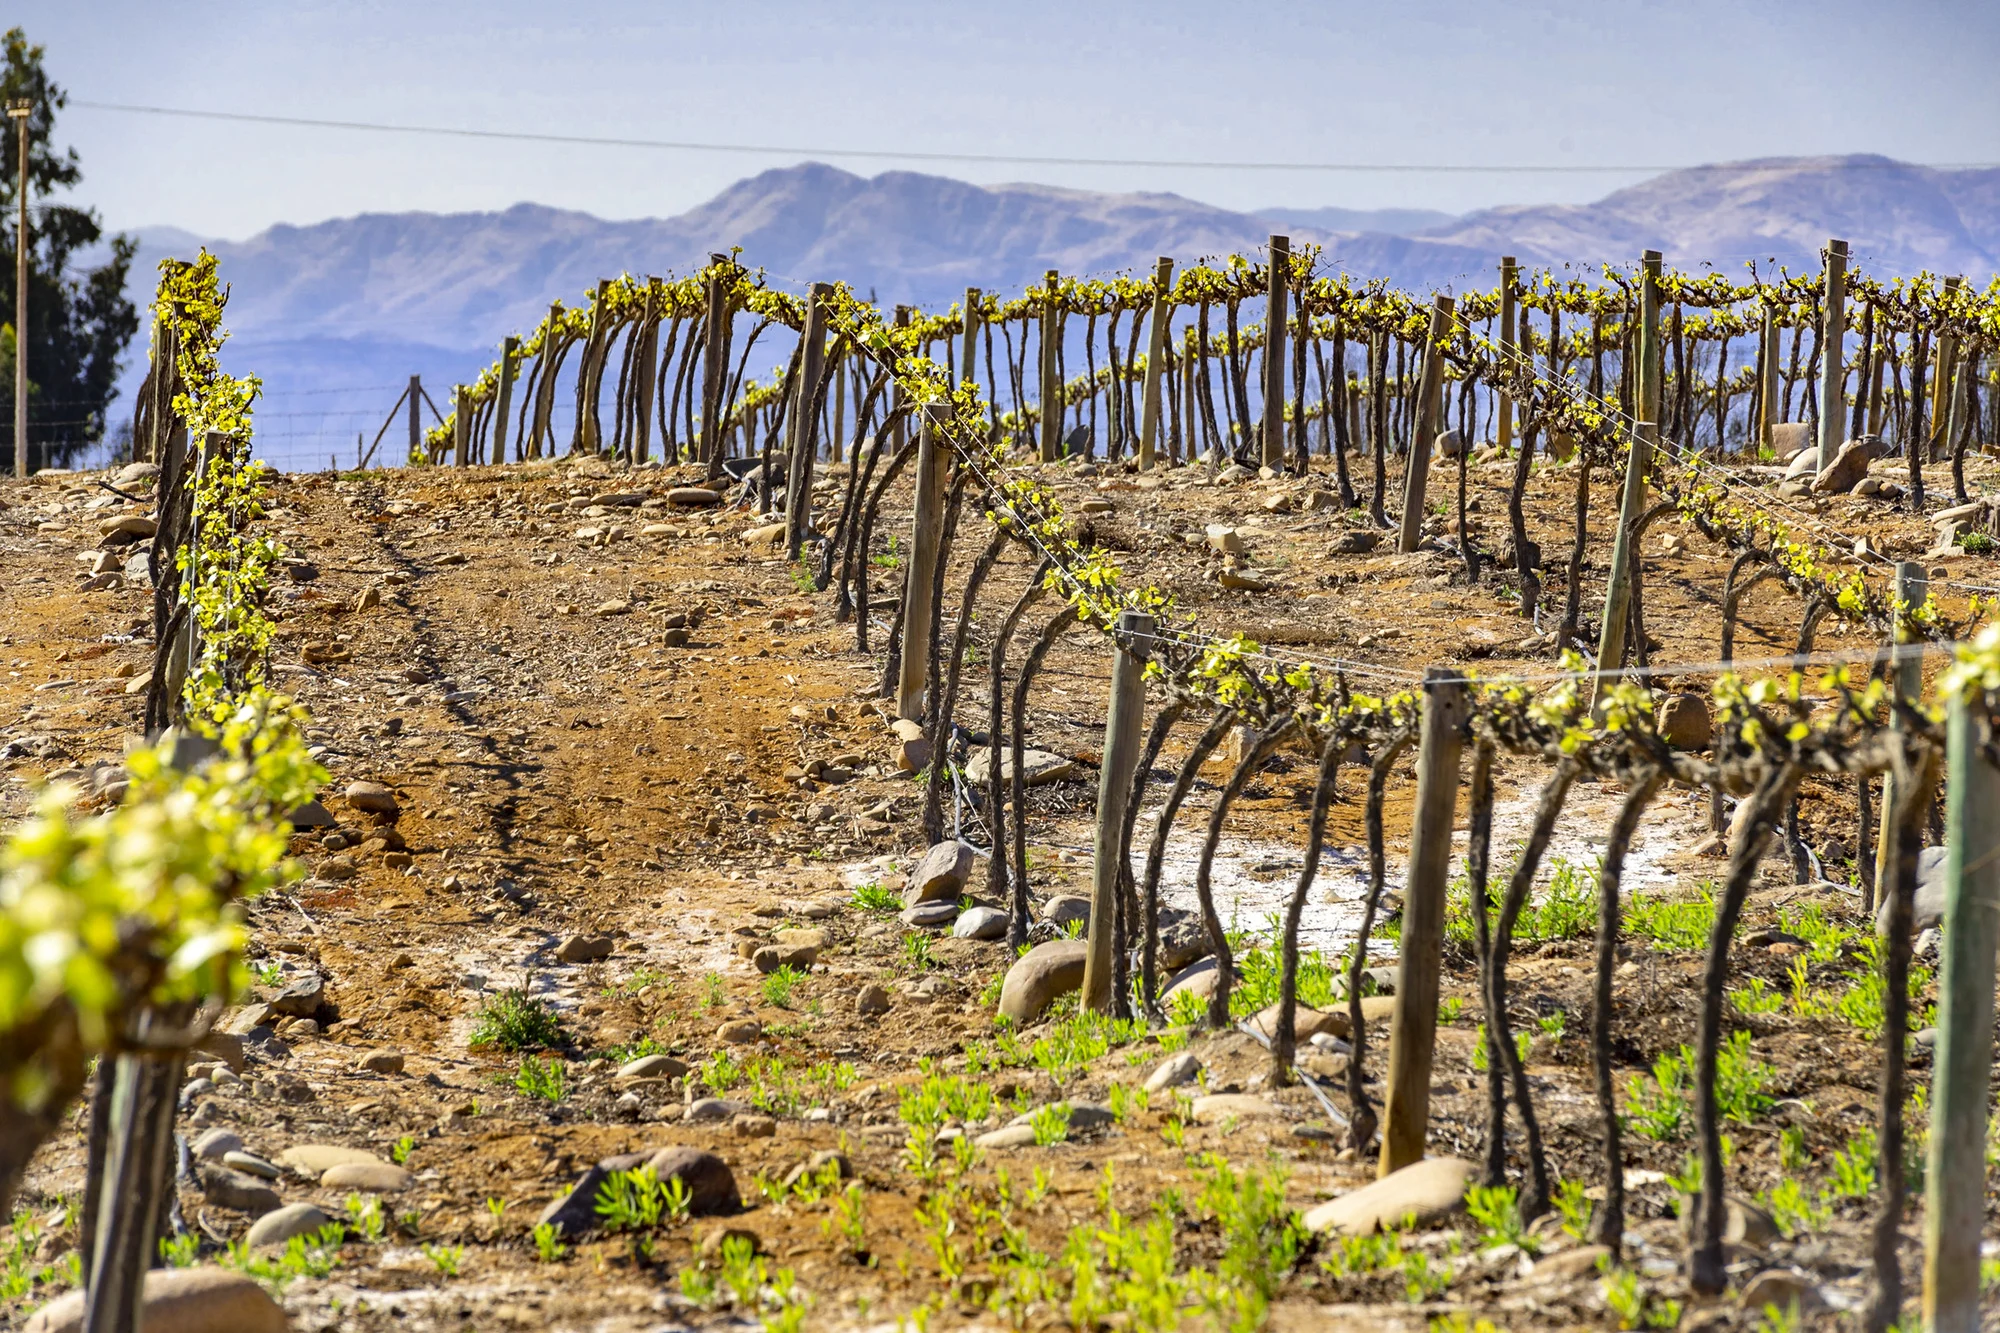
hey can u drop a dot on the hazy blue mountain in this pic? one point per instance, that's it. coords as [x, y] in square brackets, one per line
[337, 314]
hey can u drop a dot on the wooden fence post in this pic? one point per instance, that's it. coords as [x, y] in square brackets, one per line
[715, 364]
[1945, 359]
[1955, 1179]
[1509, 278]
[1413, 1025]
[1429, 392]
[416, 425]
[1767, 378]
[1122, 724]
[968, 346]
[920, 585]
[1652, 364]
[802, 431]
[1618, 596]
[1052, 388]
[1156, 363]
[648, 355]
[510, 352]
[1274, 353]
[461, 424]
[1907, 679]
[1833, 367]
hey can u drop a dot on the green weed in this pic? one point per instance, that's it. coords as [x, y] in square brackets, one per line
[514, 1020]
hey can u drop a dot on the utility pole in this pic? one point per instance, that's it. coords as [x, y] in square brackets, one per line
[18, 110]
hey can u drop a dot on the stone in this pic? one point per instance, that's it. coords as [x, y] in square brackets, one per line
[652, 1066]
[767, 534]
[1784, 1288]
[1357, 541]
[281, 1224]
[372, 1177]
[693, 497]
[1065, 908]
[871, 1000]
[1039, 976]
[1449, 444]
[981, 923]
[754, 1127]
[1743, 1222]
[216, 1144]
[228, 1188]
[1196, 979]
[250, 1164]
[771, 957]
[713, 1110]
[1082, 1115]
[1307, 1023]
[1242, 580]
[929, 916]
[1684, 722]
[1849, 466]
[1417, 1195]
[1182, 942]
[1172, 1072]
[1220, 1106]
[311, 815]
[1803, 466]
[712, 1244]
[383, 1061]
[710, 1185]
[617, 606]
[130, 528]
[584, 948]
[371, 797]
[336, 868]
[739, 1032]
[316, 1159]
[1568, 1265]
[302, 998]
[815, 1166]
[180, 1300]
[1788, 437]
[1037, 767]
[1009, 1136]
[1928, 908]
[939, 874]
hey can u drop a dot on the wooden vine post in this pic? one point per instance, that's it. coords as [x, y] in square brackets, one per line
[415, 396]
[1413, 1025]
[510, 361]
[715, 363]
[1611, 637]
[1114, 789]
[1955, 1179]
[1156, 363]
[968, 345]
[1052, 412]
[1509, 276]
[648, 356]
[1274, 353]
[802, 429]
[1946, 361]
[1907, 679]
[1833, 369]
[920, 583]
[461, 424]
[1429, 406]
[1767, 377]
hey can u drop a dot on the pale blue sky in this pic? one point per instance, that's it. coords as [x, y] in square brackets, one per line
[1432, 81]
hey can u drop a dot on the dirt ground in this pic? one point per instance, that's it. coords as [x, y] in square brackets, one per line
[625, 749]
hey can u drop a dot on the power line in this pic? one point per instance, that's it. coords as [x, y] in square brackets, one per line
[913, 155]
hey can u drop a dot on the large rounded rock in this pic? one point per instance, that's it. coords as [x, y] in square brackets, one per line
[238, 1191]
[1416, 1195]
[181, 1300]
[693, 497]
[710, 1184]
[1928, 909]
[980, 923]
[281, 1224]
[369, 1177]
[1039, 976]
[371, 797]
[316, 1159]
[1306, 1023]
[1684, 722]
[940, 874]
[1066, 909]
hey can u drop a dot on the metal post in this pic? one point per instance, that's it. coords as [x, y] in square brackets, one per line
[18, 110]
[1413, 1025]
[1955, 1180]
[1274, 353]
[1911, 587]
[1833, 368]
[416, 424]
[1114, 786]
[1618, 597]
[802, 431]
[1429, 391]
[1052, 412]
[1156, 363]
[920, 587]
[1509, 279]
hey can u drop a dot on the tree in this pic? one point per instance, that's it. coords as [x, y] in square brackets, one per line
[79, 322]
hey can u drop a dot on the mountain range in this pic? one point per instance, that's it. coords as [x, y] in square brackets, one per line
[337, 314]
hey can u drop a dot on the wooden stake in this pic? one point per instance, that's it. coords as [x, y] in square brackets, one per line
[1051, 409]
[1274, 353]
[1833, 367]
[920, 585]
[1945, 359]
[1156, 363]
[416, 395]
[1955, 1181]
[1618, 597]
[1509, 278]
[461, 424]
[1767, 378]
[647, 354]
[968, 342]
[802, 431]
[1122, 724]
[510, 354]
[1413, 1025]
[715, 364]
[1651, 366]
[1907, 679]
[1429, 408]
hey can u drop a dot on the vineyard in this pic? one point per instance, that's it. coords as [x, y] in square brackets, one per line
[1227, 798]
